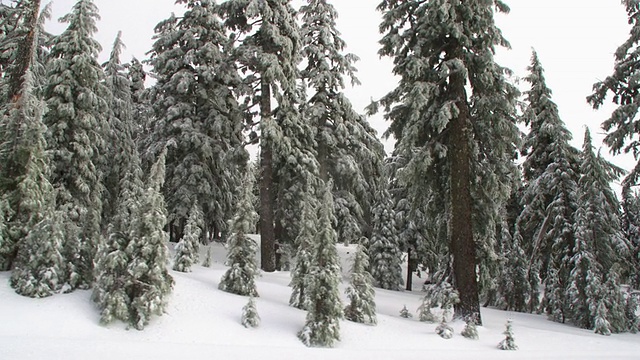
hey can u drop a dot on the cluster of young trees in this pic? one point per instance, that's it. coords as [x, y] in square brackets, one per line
[98, 171]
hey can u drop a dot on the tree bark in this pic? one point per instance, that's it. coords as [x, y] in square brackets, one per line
[25, 52]
[462, 244]
[267, 231]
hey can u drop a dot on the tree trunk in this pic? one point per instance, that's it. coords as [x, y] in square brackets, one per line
[462, 243]
[267, 231]
[25, 53]
[412, 264]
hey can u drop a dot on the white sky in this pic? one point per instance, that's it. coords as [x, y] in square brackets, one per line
[575, 40]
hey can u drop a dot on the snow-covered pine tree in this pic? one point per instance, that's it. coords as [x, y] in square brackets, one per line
[431, 115]
[188, 248]
[444, 329]
[630, 225]
[362, 306]
[470, 330]
[348, 151]
[549, 199]
[22, 135]
[77, 100]
[585, 281]
[142, 109]
[632, 307]
[207, 258]
[602, 325]
[509, 342]
[404, 312]
[514, 285]
[384, 250]
[119, 136]
[197, 116]
[39, 267]
[614, 299]
[324, 310]
[113, 279]
[242, 250]
[269, 52]
[250, 317]
[149, 280]
[300, 275]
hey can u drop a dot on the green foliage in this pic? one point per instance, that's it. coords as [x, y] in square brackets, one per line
[509, 342]
[362, 306]
[250, 317]
[187, 249]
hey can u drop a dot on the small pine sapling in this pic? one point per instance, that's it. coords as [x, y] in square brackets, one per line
[509, 342]
[631, 312]
[250, 317]
[207, 258]
[444, 330]
[187, 248]
[470, 330]
[362, 307]
[424, 311]
[602, 326]
[405, 313]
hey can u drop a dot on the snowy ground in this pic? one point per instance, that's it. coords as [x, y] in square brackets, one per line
[203, 322]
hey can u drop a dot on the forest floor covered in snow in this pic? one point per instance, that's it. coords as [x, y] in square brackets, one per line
[203, 322]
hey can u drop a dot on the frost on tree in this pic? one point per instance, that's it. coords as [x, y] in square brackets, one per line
[362, 306]
[242, 249]
[324, 309]
[76, 119]
[509, 342]
[455, 121]
[197, 116]
[250, 317]
[188, 248]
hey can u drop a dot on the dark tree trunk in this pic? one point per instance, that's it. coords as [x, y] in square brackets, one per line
[462, 243]
[411, 267]
[267, 231]
[25, 52]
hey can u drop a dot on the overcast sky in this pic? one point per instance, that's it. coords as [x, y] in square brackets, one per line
[575, 40]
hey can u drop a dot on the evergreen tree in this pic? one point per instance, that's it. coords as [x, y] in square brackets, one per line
[514, 281]
[630, 225]
[187, 249]
[404, 312]
[197, 116]
[242, 250]
[324, 310]
[119, 136]
[250, 317]
[546, 225]
[347, 148]
[269, 53]
[149, 281]
[453, 140]
[585, 282]
[470, 330]
[384, 248]
[362, 306]
[301, 276]
[509, 342]
[444, 329]
[602, 325]
[77, 100]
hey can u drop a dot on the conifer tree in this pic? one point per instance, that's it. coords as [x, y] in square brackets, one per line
[470, 330]
[509, 341]
[242, 250]
[250, 317]
[384, 248]
[546, 225]
[150, 282]
[300, 275]
[432, 114]
[77, 100]
[348, 150]
[269, 53]
[197, 116]
[187, 249]
[602, 325]
[404, 312]
[362, 306]
[630, 225]
[119, 136]
[444, 329]
[324, 310]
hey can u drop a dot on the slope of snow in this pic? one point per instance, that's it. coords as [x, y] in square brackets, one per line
[203, 322]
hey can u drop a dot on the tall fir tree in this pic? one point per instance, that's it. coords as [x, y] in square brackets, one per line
[384, 248]
[149, 280]
[324, 310]
[196, 116]
[549, 199]
[269, 52]
[454, 139]
[242, 250]
[301, 273]
[77, 100]
[630, 225]
[347, 148]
